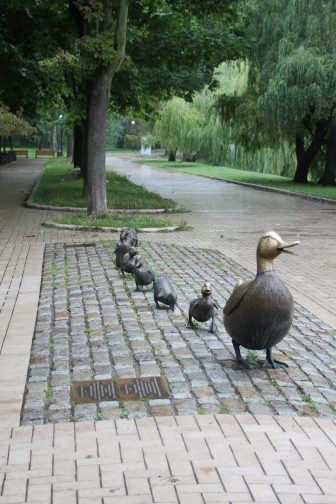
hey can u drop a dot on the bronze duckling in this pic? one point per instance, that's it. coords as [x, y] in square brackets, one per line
[121, 249]
[259, 313]
[202, 309]
[130, 261]
[131, 235]
[164, 292]
[142, 275]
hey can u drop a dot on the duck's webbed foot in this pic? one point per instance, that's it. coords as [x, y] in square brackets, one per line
[213, 326]
[239, 357]
[273, 362]
[190, 323]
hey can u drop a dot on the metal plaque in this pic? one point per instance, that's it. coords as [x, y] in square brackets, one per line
[127, 389]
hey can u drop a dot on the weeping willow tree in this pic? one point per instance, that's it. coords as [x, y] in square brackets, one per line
[197, 126]
[215, 142]
[178, 127]
[290, 96]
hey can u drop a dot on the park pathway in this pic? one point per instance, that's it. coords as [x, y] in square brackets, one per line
[187, 459]
[230, 218]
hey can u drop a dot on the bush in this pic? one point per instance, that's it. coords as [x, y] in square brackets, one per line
[132, 142]
[75, 172]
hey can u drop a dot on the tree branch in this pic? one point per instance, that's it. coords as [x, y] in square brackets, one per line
[120, 36]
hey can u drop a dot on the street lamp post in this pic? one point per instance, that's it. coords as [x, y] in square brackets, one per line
[60, 118]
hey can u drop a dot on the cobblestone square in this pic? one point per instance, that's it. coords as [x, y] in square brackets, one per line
[92, 324]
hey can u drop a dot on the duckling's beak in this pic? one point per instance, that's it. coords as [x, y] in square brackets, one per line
[284, 246]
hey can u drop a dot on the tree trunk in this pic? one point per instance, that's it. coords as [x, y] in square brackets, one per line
[329, 176]
[54, 138]
[305, 157]
[302, 167]
[96, 143]
[172, 156]
[70, 145]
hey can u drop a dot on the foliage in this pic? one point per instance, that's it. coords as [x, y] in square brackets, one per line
[12, 124]
[148, 140]
[291, 85]
[132, 142]
[58, 187]
[173, 48]
[214, 139]
[114, 132]
[30, 30]
[178, 126]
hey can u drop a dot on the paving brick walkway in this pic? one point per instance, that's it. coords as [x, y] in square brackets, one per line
[168, 459]
[171, 460]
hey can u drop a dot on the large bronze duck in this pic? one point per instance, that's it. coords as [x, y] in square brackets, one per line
[259, 313]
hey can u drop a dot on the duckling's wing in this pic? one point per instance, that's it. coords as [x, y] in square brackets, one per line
[193, 304]
[237, 295]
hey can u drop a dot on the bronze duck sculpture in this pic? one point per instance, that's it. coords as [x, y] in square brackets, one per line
[131, 235]
[164, 292]
[121, 249]
[259, 313]
[202, 309]
[130, 261]
[143, 275]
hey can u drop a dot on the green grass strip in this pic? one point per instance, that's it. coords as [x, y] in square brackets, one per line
[251, 177]
[57, 187]
[136, 221]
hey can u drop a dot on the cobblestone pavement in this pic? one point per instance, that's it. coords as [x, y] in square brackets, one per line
[93, 324]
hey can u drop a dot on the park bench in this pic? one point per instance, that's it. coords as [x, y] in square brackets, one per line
[21, 152]
[45, 152]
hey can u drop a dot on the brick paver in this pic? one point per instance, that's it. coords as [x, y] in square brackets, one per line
[206, 459]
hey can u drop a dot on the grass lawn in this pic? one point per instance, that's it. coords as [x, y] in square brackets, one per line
[57, 187]
[119, 150]
[244, 176]
[120, 220]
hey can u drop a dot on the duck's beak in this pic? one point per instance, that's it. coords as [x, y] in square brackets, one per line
[284, 246]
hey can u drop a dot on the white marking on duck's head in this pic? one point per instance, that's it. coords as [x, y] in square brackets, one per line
[206, 289]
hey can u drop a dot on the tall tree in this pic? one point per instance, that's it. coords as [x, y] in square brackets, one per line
[102, 27]
[291, 90]
[165, 40]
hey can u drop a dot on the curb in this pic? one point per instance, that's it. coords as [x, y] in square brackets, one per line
[37, 206]
[318, 199]
[74, 227]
